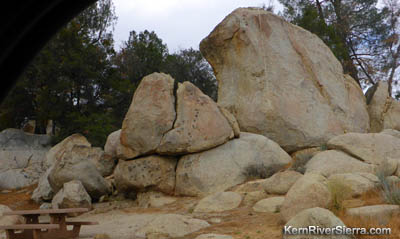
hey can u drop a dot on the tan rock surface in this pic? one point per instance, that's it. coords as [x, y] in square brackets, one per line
[282, 81]
[150, 115]
[199, 126]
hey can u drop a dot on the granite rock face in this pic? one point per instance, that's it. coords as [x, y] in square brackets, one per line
[282, 81]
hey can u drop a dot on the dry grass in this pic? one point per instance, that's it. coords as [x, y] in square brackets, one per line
[355, 222]
[373, 197]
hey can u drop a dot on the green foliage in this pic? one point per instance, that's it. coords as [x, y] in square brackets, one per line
[190, 65]
[84, 86]
[354, 30]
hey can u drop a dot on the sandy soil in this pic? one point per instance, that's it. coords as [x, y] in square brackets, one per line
[121, 219]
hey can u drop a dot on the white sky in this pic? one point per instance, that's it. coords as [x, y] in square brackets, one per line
[179, 23]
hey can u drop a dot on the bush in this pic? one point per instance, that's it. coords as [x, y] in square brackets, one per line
[390, 191]
[260, 171]
[339, 193]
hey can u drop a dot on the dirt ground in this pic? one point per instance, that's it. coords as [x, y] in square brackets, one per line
[120, 219]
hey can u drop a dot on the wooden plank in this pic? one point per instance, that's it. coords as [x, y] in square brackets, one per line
[30, 226]
[46, 211]
[82, 223]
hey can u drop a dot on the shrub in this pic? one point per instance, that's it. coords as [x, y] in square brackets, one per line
[339, 193]
[390, 191]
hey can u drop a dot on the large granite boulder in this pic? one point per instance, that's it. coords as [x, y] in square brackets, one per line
[155, 173]
[331, 162]
[22, 155]
[76, 165]
[248, 157]
[282, 81]
[150, 115]
[384, 111]
[199, 125]
[373, 148]
[57, 151]
[315, 217]
[309, 191]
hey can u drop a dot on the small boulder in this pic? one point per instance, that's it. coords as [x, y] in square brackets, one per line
[316, 217]
[281, 182]
[9, 220]
[309, 191]
[199, 125]
[76, 165]
[72, 195]
[249, 198]
[272, 204]
[249, 157]
[331, 162]
[43, 191]
[150, 115]
[219, 202]
[148, 173]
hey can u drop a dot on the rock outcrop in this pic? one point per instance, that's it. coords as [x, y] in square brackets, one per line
[199, 125]
[248, 157]
[76, 165]
[155, 173]
[384, 111]
[282, 81]
[150, 115]
[22, 155]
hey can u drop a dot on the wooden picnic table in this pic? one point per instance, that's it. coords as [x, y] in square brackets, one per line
[56, 229]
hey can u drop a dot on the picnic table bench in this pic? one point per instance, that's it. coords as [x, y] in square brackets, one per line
[55, 229]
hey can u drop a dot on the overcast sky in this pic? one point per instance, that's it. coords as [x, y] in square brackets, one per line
[179, 23]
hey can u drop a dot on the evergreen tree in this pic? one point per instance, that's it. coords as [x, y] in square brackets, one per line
[354, 30]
